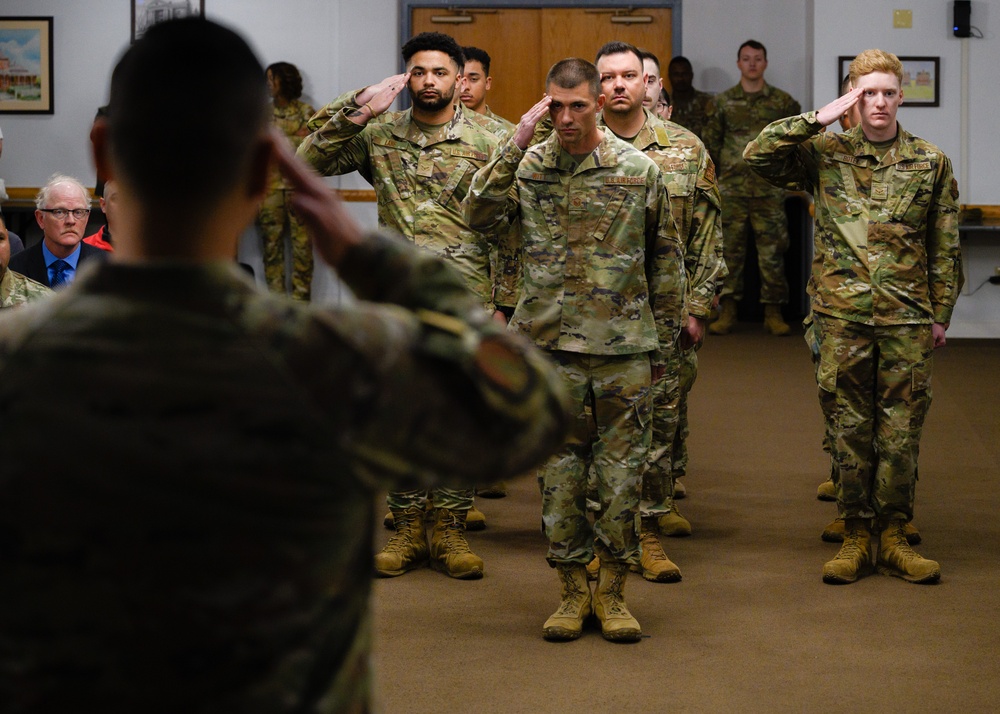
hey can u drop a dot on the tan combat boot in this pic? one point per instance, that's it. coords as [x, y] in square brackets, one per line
[617, 623]
[654, 564]
[680, 491]
[674, 525]
[566, 623]
[726, 321]
[774, 322]
[897, 558]
[827, 491]
[855, 556]
[593, 568]
[494, 490]
[834, 533]
[407, 547]
[475, 520]
[450, 551]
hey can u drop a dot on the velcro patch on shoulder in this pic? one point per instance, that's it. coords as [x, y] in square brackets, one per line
[470, 154]
[847, 158]
[389, 143]
[914, 166]
[536, 176]
[624, 180]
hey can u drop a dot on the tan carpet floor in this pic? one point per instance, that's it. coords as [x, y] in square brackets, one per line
[751, 628]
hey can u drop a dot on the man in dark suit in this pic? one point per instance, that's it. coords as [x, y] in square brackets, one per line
[63, 206]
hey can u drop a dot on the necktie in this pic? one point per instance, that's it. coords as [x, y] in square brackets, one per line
[60, 273]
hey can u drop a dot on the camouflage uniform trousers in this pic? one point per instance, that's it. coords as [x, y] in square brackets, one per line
[451, 498]
[276, 213]
[811, 336]
[875, 390]
[765, 217]
[668, 456]
[616, 446]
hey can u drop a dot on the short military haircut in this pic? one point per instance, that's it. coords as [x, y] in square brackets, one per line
[754, 45]
[289, 79]
[618, 48]
[875, 61]
[572, 72]
[647, 55]
[188, 111]
[475, 54]
[665, 96]
[45, 192]
[434, 42]
[845, 84]
[680, 59]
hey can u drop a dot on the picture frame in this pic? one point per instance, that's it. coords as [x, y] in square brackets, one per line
[146, 13]
[921, 83]
[26, 67]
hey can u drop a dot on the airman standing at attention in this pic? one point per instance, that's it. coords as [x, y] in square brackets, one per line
[505, 264]
[884, 283]
[604, 296]
[692, 108]
[689, 177]
[420, 162]
[751, 206]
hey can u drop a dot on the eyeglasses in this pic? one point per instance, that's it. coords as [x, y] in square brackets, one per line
[61, 213]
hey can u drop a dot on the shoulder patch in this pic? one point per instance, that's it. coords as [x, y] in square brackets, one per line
[914, 166]
[624, 180]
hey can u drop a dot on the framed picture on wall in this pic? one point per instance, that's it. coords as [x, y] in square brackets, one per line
[146, 13]
[26, 65]
[921, 83]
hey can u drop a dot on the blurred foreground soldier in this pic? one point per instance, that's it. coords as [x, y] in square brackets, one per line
[751, 207]
[689, 178]
[15, 289]
[691, 108]
[420, 163]
[885, 199]
[201, 539]
[290, 114]
[600, 259]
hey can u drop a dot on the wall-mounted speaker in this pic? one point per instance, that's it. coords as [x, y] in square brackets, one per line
[963, 18]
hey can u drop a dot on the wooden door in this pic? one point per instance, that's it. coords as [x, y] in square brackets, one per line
[523, 43]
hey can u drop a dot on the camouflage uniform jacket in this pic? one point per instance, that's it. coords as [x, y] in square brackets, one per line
[738, 118]
[601, 254]
[694, 112]
[290, 119]
[689, 175]
[505, 253]
[17, 289]
[886, 238]
[201, 539]
[419, 182]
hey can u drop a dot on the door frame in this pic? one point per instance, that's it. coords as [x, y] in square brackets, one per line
[406, 6]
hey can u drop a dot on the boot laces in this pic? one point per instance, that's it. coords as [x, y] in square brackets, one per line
[901, 545]
[615, 602]
[453, 538]
[851, 549]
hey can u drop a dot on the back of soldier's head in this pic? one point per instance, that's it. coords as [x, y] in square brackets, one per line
[188, 108]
